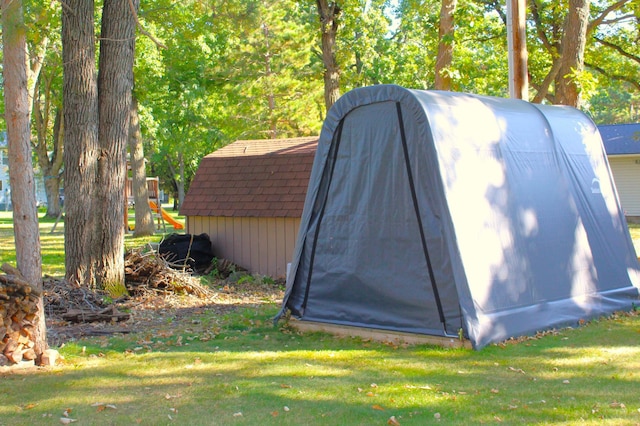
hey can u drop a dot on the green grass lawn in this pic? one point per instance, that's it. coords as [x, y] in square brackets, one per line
[52, 243]
[238, 369]
[210, 368]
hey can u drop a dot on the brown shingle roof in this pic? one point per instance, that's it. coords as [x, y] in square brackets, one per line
[253, 178]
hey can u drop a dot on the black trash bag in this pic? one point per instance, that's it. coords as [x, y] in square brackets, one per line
[195, 250]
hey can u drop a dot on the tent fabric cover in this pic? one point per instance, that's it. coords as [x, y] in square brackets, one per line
[435, 212]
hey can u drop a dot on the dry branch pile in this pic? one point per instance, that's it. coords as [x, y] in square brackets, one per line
[147, 271]
[61, 297]
[18, 317]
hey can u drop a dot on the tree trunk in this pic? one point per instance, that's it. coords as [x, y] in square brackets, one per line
[80, 99]
[181, 180]
[21, 176]
[329, 13]
[178, 198]
[271, 98]
[446, 35]
[40, 90]
[50, 167]
[144, 217]
[115, 83]
[574, 41]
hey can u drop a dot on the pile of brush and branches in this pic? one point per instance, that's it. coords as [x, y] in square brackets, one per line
[147, 271]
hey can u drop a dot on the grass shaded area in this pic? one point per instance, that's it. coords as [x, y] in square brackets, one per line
[239, 369]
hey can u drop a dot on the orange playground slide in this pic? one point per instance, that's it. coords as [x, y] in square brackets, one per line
[166, 216]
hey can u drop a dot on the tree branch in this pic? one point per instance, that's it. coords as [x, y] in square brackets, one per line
[618, 49]
[539, 29]
[141, 28]
[618, 77]
[543, 89]
[619, 19]
[600, 18]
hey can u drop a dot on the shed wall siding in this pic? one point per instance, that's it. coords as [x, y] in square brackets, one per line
[626, 174]
[263, 245]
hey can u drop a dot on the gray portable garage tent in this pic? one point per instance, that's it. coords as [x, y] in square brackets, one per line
[433, 212]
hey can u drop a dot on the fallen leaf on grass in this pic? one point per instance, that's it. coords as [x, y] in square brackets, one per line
[67, 420]
[101, 406]
[377, 407]
[178, 395]
[285, 408]
[393, 421]
[284, 386]
[495, 391]
[616, 404]
[238, 414]
[517, 370]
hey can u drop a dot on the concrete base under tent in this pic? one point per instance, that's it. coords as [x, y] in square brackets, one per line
[384, 336]
[431, 212]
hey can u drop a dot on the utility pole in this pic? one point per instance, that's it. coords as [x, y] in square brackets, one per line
[517, 44]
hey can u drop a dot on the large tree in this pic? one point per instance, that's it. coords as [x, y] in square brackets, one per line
[574, 41]
[563, 34]
[21, 176]
[329, 13]
[96, 123]
[80, 98]
[45, 85]
[115, 83]
[49, 141]
[446, 35]
[144, 224]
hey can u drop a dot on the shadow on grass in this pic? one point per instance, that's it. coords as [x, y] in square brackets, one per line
[236, 368]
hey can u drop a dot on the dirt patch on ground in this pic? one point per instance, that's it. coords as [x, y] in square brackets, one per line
[148, 310]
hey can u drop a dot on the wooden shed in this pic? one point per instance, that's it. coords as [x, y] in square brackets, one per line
[248, 197]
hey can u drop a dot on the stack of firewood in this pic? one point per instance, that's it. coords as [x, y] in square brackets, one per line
[18, 317]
